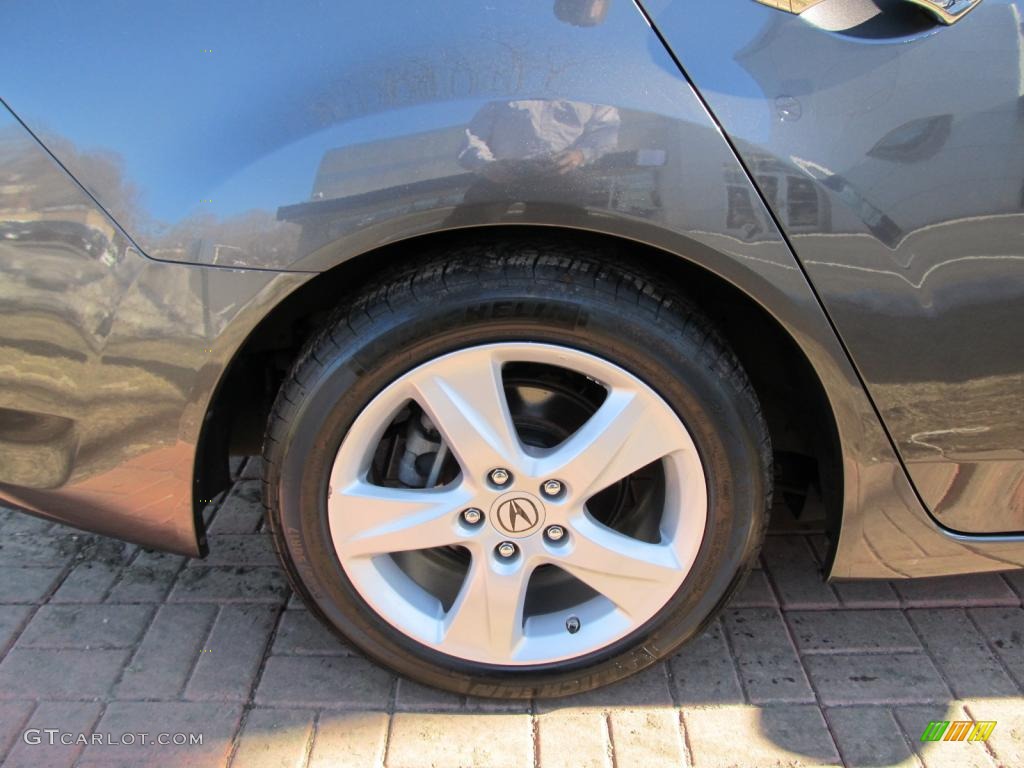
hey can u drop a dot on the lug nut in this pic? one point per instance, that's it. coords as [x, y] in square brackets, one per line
[500, 476]
[555, 533]
[552, 488]
[472, 516]
[506, 549]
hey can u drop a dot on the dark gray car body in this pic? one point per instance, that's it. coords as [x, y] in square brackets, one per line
[169, 180]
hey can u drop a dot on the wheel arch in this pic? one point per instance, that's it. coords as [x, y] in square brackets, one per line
[801, 416]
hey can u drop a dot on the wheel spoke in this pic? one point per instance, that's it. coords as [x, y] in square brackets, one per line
[628, 432]
[465, 400]
[623, 569]
[462, 394]
[371, 520]
[488, 612]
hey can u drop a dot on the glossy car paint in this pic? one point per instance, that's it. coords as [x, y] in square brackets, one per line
[298, 137]
[109, 358]
[893, 156]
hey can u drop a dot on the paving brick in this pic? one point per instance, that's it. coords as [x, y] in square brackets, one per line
[796, 573]
[100, 549]
[869, 736]
[241, 511]
[961, 653]
[845, 631]
[704, 672]
[275, 738]
[756, 592]
[164, 660]
[13, 716]
[349, 739]
[37, 673]
[235, 465]
[844, 678]
[27, 585]
[577, 737]
[37, 550]
[227, 668]
[239, 549]
[86, 626]
[148, 579]
[481, 704]
[323, 681]
[164, 561]
[87, 582]
[209, 509]
[651, 738]
[863, 662]
[17, 522]
[1004, 628]
[766, 660]
[413, 697]
[1016, 581]
[71, 718]
[971, 589]
[12, 619]
[429, 740]
[216, 722]
[228, 584]
[743, 736]
[941, 754]
[253, 469]
[820, 546]
[299, 632]
[1007, 740]
[869, 593]
[649, 688]
[142, 585]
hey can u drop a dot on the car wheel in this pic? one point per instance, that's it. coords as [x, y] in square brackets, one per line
[517, 471]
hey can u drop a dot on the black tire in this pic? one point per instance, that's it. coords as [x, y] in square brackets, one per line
[517, 290]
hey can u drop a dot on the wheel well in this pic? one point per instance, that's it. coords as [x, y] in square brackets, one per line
[802, 426]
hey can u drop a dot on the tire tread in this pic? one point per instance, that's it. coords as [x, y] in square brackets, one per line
[435, 274]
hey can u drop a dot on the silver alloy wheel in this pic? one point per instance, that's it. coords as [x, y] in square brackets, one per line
[462, 393]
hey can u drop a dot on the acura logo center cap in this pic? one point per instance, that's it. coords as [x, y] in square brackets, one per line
[517, 514]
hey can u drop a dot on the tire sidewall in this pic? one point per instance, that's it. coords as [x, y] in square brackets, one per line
[672, 360]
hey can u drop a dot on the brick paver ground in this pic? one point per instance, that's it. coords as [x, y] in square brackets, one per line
[100, 636]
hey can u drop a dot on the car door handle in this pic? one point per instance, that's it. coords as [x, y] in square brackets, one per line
[946, 11]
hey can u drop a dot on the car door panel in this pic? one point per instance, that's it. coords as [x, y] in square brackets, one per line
[893, 159]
